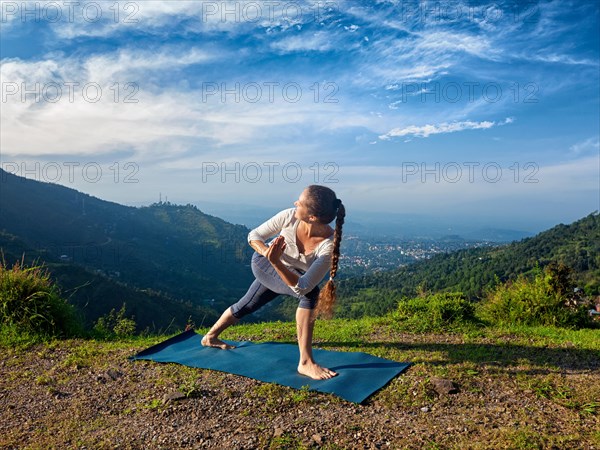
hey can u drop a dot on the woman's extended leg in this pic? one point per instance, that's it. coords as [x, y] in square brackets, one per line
[256, 297]
[305, 323]
[211, 339]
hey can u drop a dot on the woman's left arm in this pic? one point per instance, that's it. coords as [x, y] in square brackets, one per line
[273, 254]
[299, 284]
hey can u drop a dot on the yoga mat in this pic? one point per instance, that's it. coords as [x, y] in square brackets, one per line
[359, 374]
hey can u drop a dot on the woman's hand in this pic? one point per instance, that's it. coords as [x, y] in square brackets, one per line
[275, 250]
[273, 255]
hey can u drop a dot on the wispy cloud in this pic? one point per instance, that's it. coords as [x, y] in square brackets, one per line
[319, 41]
[361, 54]
[144, 118]
[565, 59]
[588, 145]
[69, 20]
[97, 104]
[428, 130]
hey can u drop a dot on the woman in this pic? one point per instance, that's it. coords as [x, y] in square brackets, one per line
[294, 264]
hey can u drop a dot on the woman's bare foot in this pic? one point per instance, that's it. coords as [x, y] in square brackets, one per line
[209, 341]
[316, 372]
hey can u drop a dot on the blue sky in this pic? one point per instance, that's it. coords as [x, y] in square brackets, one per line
[484, 111]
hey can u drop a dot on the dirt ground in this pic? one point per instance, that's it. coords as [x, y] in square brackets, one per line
[78, 394]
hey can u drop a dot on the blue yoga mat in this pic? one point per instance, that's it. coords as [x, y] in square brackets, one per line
[359, 374]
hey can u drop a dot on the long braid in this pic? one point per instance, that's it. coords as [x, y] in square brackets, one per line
[337, 239]
[327, 296]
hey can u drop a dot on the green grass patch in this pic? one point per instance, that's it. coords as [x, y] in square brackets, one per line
[540, 299]
[434, 313]
[285, 441]
[326, 332]
[30, 304]
[548, 367]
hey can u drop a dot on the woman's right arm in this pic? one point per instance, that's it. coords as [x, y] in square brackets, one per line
[258, 236]
[259, 247]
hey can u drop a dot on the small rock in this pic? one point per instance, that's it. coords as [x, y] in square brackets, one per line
[317, 438]
[278, 432]
[425, 409]
[60, 395]
[109, 375]
[444, 387]
[173, 396]
[114, 374]
[103, 378]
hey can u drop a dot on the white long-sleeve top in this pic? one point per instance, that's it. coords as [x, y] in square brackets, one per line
[314, 266]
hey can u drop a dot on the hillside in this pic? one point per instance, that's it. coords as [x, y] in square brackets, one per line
[95, 294]
[171, 262]
[175, 251]
[472, 271]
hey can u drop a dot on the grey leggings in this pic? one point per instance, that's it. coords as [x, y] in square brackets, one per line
[267, 286]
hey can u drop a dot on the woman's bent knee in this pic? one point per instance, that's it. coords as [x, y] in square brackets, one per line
[237, 313]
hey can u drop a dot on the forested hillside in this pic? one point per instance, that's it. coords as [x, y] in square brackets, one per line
[472, 271]
[163, 251]
[170, 263]
[96, 294]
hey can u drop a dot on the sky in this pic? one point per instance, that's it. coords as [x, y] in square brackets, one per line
[485, 112]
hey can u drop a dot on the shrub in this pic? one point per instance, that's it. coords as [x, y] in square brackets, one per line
[541, 300]
[115, 324]
[434, 312]
[30, 303]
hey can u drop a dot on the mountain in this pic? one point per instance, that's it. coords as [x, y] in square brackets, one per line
[170, 263]
[422, 226]
[472, 271]
[174, 252]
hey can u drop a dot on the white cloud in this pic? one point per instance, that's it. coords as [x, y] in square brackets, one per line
[166, 121]
[445, 127]
[590, 144]
[442, 42]
[136, 64]
[319, 41]
[564, 59]
[104, 67]
[102, 19]
[421, 71]
[95, 105]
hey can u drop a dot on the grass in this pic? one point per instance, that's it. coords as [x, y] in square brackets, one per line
[337, 330]
[553, 371]
[540, 347]
[536, 357]
[31, 304]
[520, 385]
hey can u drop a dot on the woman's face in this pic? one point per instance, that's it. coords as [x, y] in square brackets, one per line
[301, 210]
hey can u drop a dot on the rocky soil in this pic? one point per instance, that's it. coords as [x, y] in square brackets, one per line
[84, 395]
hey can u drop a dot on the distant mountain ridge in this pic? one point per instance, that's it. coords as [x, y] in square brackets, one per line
[471, 271]
[170, 263]
[170, 250]
[370, 225]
